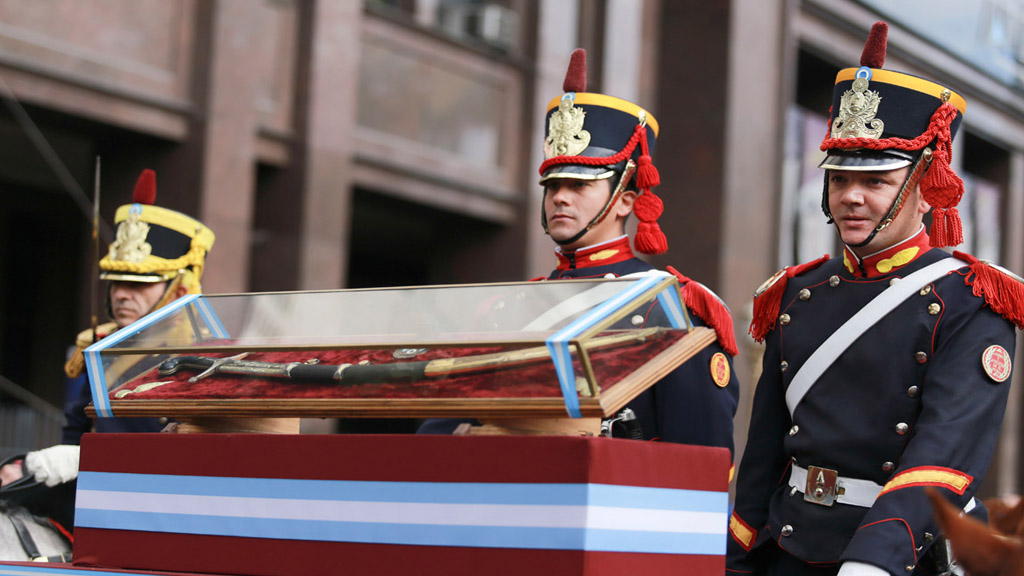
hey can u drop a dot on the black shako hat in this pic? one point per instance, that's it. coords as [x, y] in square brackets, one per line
[884, 120]
[591, 136]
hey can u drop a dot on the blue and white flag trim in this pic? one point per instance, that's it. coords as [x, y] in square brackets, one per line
[588, 517]
[558, 343]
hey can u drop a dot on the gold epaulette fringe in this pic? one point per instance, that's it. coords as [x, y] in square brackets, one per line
[76, 362]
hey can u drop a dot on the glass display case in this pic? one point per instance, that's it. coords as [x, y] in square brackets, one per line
[580, 348]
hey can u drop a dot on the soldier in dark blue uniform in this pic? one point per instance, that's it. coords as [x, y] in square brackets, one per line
[597, 171]
[886, 370]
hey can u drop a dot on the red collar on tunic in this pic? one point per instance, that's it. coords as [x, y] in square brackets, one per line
[610, 252]
[888, 260]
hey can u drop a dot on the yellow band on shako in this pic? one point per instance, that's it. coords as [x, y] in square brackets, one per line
[176, 221]
[592, 99]
[906, 81]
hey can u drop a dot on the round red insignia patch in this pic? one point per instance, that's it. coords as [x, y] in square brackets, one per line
[996, 362]
[720, 370]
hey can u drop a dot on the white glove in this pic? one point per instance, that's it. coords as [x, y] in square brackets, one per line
[53, 465]
[860, 569]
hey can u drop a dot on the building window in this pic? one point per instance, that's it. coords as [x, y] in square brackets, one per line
[985, 172]
[494, 23]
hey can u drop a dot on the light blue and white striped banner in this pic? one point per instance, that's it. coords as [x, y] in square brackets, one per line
[588, 517]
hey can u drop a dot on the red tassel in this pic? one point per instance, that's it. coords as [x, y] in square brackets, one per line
[947, 228]
[145, 188]
[940, 186]
[647, 176]
[650, 239]
[1002, 293]
[769, 302]
[576, 74]
[937, 237]
[648, 207]
[873, 55]
[705, 304]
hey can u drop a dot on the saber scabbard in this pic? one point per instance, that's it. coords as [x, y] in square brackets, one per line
[391, 372]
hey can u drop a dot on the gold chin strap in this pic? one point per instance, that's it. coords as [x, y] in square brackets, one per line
[627, 173]
[912, 179]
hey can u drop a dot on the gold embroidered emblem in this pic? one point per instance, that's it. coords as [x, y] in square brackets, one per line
[566, 136]
[130, 244]
[898, 259]
[720, 370]
[603, 255]
[857, 109]
[996, 362]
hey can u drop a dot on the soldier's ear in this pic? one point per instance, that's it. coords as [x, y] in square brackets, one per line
[180, 291]
[624, 207]
[923, 206]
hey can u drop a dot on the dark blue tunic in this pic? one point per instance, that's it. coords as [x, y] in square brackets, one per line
[909, 404]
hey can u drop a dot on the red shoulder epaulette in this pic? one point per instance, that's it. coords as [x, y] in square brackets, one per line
[1002, 290]
[708, 306]
[768, 298]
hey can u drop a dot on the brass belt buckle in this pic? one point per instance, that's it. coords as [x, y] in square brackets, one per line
[821, 486]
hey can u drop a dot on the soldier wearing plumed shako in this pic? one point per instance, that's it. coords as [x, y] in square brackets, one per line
[158, 256]
[886, 370]
[597, 171]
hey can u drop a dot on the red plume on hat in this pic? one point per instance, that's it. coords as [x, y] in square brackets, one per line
[873, 55]
[145, 188]
[576, 75]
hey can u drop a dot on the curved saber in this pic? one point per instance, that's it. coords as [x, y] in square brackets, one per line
[392, 372]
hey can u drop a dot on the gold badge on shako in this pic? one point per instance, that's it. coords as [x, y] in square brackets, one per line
[857, 110]
[566, 136]
[996, 362]
[720, 370]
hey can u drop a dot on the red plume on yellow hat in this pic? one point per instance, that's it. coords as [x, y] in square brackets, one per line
[155, 244]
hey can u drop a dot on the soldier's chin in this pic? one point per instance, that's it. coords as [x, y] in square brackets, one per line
[561, 235]
[125, 317]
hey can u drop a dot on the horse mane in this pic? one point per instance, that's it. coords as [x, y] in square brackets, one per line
[981, 550]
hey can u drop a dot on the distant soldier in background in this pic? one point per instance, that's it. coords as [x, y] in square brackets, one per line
[158, 256]
[596, 173]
